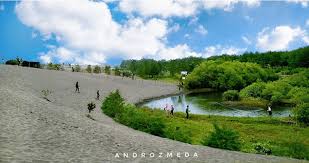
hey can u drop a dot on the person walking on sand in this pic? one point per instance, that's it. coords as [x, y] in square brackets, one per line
[98, 95]
[172, 110]
[187, 111]
[77, 87]
[269, 110]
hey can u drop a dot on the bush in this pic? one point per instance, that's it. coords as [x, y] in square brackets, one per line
[231, 95]
[276, 91]
[113, 104]
[11, 62]
[97, 69]
[226, 75]
[301, 113]
[254, 90]
[89, 69]
[179, 133]
[107, 70]
[91, 106]
[77, 68]
[223, 138]
[52, 66]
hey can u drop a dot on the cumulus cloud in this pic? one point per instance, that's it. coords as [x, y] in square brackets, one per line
[180, 8]
[179, 51]
[88, 34]
[304, 3]
[201, 30]
[219, 50]
[279, 38]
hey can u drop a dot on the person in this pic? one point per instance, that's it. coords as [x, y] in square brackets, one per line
[172, 110]
[98, 95]
[187, 111]
[269, 110]
[77, 87]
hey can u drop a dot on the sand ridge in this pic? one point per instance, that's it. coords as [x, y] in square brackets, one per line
[33, 129]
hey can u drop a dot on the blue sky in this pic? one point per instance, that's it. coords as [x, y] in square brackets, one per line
[105, 32]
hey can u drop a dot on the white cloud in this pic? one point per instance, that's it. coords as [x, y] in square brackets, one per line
[304, 3]
[178, 51]
[200, 29]
[307, 22]
[87, 34]
[164, 8]
[219, 50]
[246, 40]
[180, 8]
[279, 38]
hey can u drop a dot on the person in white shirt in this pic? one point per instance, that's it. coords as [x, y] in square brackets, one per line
[269, 110]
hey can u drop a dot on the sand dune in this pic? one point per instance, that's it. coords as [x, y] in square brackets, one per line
[33, 129]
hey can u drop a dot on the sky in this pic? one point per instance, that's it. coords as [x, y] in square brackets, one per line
[108, 31]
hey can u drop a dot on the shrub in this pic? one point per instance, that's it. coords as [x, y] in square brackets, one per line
[223, 138]
[113, 104]
[91, 106]
[11, 62]
[46, 93]
[107, 70]
[301, 113]
[117, 71]
[89, 69]
[226, 75]
[254, 90]
[179, 133]
[276, 91]
[299, 95]
[97, 69]
[231, 95]
[77, 68]
[51, 66]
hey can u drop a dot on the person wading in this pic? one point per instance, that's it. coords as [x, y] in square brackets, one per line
[172, 110]
[77, 87]
[187, 111]
[269, 110]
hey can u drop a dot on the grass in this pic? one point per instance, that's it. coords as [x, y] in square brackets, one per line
[282, 138]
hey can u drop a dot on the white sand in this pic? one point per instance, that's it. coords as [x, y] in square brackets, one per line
[35, 130]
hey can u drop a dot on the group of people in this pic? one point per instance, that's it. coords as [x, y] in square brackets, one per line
[77, 90]
[170, 111]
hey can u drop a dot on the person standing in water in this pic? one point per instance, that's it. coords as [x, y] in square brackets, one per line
[98, 95]
[269, 110]
[187, 111]
[77, 87]
[172, 110]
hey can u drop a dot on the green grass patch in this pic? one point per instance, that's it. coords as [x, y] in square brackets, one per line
[263, 135]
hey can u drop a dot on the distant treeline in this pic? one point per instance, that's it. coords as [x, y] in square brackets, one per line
[149, 68]
[294, 58]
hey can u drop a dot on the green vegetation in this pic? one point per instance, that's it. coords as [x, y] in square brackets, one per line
[224, 138]
[51, 66]
[301, 113]
[89, 69]
[227, 75]
[262, 135]
[77, 68]
[231, 95]
[12, 62]
[107, 70]
[97, 69]
[149, 68]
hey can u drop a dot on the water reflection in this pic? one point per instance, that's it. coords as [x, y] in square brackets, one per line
[210, 104]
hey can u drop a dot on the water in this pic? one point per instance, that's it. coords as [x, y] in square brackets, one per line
[211, 104]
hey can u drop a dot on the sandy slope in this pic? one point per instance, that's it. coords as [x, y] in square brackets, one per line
[35, 130]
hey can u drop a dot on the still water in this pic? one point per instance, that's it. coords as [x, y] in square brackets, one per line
[211, 104]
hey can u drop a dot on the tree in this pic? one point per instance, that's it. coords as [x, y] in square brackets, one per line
[77, 68]
[89, 69]
[97, 69]
[107, 70]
